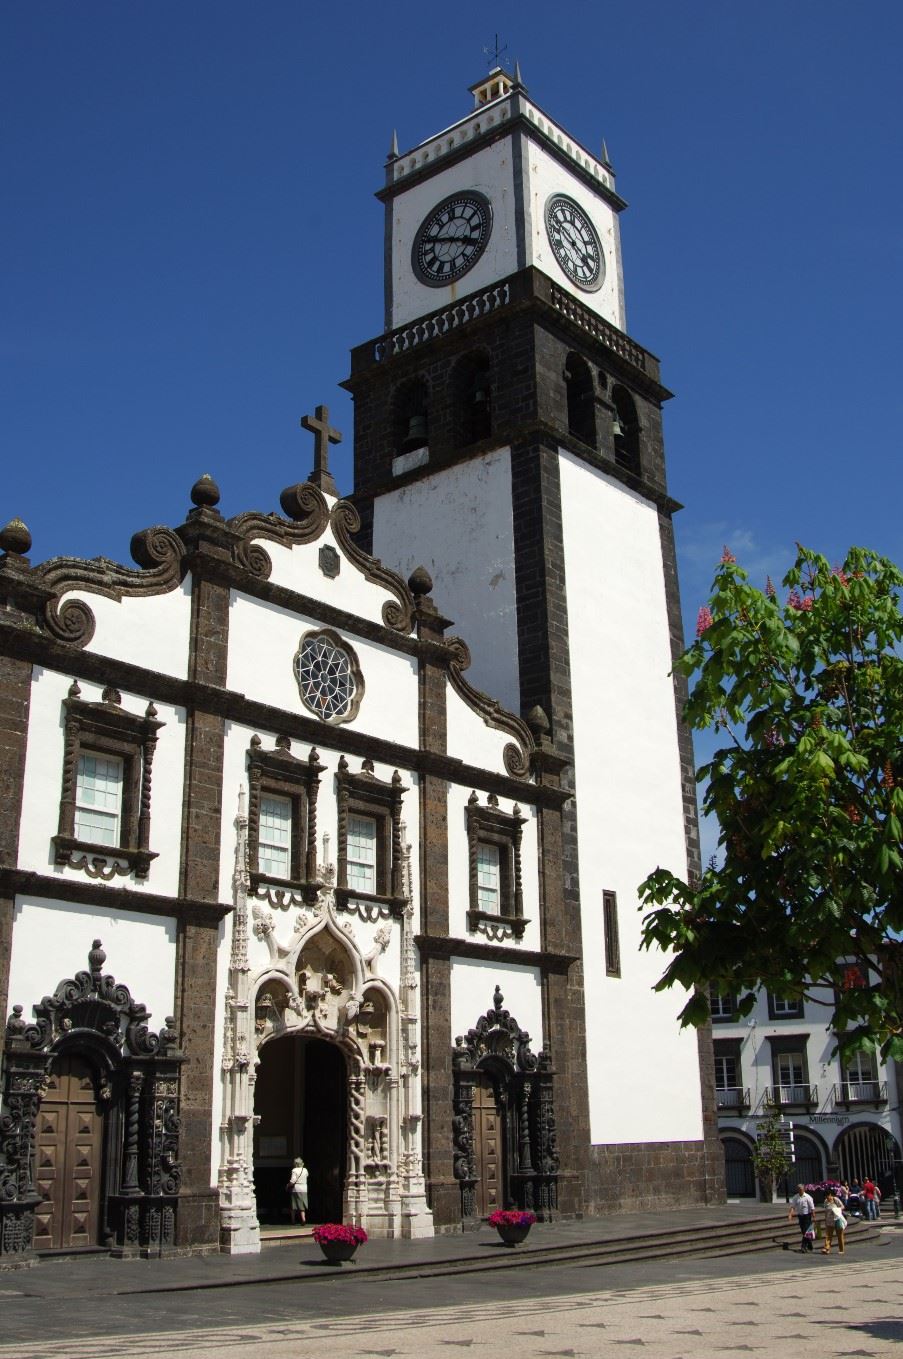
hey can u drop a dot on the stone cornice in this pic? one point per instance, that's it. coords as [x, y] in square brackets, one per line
[30, 645]
[445, 946]
[20, 881]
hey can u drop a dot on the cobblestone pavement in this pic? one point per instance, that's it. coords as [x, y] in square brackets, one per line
[778, 1305]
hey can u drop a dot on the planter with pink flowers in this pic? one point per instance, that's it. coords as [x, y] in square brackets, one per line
[338, 1242]
[512, 1225]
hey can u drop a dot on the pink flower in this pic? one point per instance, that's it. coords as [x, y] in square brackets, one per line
[704, 620]
[727, 557]
[769, 587]
[841, 575]
[801, 604]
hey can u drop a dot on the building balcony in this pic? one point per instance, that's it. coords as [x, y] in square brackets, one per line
[850, 1094]
[798, 1098]
[732, 1100]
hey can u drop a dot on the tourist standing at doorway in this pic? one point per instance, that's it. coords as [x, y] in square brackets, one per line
[297, 1187]
[803, 1205]
[834, 1222]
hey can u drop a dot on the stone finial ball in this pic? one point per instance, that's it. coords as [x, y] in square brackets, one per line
[420, 582]
[205, 492]
[538, 722]
[15, 537]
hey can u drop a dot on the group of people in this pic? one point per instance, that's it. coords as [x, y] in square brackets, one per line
[841, 1202]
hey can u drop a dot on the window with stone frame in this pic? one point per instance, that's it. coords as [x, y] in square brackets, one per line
[612, 934]
[369, 856]
[282, 816]
[722, 1005]
[494, 849]
[781, 1008]
[105, 803]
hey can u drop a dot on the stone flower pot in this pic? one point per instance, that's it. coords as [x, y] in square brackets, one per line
[512, 1226]
[338, 1242]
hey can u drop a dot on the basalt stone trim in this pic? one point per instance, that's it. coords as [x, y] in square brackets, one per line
[443, 1193]
[684, 737]
[196, 953]
[15, 702]
[633, 1176]
[714, 1152]
[447, 946]
[23, 882]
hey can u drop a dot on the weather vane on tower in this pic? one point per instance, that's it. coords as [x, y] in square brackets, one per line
[495, 53]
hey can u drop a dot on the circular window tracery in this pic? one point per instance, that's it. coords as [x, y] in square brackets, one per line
[329, 677]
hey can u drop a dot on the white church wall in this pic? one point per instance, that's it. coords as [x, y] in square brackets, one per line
[147, 630]
[458, 524]
[473, 983]
[643, 1073]
[548, 176]
[44, 773]
[263, 641]
[52, 939]
[490, 172]
[298, 569]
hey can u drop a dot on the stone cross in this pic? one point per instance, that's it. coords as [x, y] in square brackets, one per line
[319, 427]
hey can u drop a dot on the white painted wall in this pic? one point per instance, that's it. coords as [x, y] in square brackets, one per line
[44, 773]
[52, 939]
[148, 630]
[473, 982]
[545, 176]
[643, 1071]
[263, 640]
[489, 171]
[458, 525]
[298, 568]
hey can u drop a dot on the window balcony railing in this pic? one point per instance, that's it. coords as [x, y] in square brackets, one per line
[848, 1093]
[792, 1096]
[732, 1099]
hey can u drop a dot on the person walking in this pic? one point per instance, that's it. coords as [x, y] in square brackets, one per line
[297, 1187]
[872, 1196]
[803, 1205]
[834, 1222]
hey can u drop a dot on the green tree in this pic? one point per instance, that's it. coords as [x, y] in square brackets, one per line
[771, 1156]
[807, 690]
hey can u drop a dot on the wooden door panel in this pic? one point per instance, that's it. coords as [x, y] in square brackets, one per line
[69, 1148]
[489, 1148]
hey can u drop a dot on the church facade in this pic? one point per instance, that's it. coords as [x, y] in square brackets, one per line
[289, 868]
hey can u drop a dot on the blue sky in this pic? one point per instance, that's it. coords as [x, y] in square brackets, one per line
[192, 245]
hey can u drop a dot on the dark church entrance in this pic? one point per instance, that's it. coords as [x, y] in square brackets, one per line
[68, 1158]
[301, 1100]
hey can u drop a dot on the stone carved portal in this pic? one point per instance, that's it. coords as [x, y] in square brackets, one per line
[318, 985]
[89, 1128]
[494, 1059]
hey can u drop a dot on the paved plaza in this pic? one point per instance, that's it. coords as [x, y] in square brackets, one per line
[770, 1304]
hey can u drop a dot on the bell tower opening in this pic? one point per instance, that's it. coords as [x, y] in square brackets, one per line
[300, 1099]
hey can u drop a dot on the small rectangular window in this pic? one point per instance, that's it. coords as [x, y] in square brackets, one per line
[98, 799]
[274, 844]
[489, 878]
[780, 1008]
[612, 941]
[720, 1005]
[726, 1073]
[361, 862]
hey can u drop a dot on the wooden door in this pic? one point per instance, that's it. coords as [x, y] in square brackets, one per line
[488, 1132]
[68, 1149]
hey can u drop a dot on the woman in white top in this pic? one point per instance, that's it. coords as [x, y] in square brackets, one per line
[834, 1222]
[297, 1186]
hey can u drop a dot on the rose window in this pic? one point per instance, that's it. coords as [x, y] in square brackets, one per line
[328, 677]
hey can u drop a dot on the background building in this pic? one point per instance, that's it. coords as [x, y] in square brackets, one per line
[845, 1117]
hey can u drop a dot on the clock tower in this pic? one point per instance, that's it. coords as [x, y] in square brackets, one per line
[508, 437]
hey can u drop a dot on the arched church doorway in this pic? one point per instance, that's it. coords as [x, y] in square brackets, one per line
[69, 1157]
[300, 1098]
[739, 1175]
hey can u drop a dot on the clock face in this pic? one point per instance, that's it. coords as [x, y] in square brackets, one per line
[575, 243]
[452, 238]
